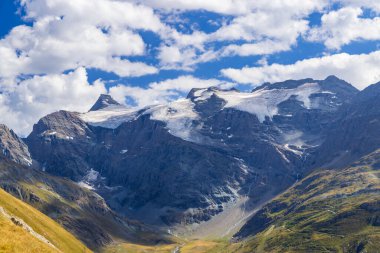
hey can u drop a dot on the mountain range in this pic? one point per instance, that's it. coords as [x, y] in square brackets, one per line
[288, 167]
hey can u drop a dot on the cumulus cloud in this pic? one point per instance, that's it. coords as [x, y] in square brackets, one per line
[263, 27]
[67, 34]
[360, 70]
[22, 105]
[345, 25]
[234, 7]
[368, 4]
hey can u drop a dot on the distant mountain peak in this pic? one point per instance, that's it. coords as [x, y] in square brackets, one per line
[104, 101]
[333, 78]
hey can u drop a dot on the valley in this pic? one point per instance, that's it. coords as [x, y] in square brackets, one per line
[289, 167]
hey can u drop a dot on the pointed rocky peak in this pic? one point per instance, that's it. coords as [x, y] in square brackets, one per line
[103, 101]
[332, 78]
[338, 86]
[12, 147]
[197, 93]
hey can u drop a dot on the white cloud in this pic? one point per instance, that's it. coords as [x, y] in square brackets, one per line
[373, 5]
[67, 34]
[344, 26]
[265, 47]
[234, 7]
[102, 13]
[22, 105]
[360, 70]
[258, 28]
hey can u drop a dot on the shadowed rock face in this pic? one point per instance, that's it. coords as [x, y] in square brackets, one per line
[354, 133]
[13, 147]
[103, 102]
[144, 163]
[60, 142]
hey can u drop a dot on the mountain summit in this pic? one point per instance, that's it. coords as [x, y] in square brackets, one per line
[103, 101]
[12, 147]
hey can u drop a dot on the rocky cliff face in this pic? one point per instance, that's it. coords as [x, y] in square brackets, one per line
[60, 143]
[354, 132]
[182, 162]
[13, 147]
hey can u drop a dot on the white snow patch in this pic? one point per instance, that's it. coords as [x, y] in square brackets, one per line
[203, 94]
[28, 161]
[89, 179]
[293, 150]
[178, 116]
[282, 155]
[85, 185]
[199, 92]
[110, 117]
[328, 92]
[264, 103]
[48, 133]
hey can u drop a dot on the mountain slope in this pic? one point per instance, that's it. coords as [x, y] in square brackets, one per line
[328, 211]
[82, 212]
[354, 132]
[185, 162]
[13, 147]
[16, 221]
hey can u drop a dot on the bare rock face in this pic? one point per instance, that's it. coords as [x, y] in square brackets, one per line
[354, 132]
[13, 147]
[103, 102]
[60, 142]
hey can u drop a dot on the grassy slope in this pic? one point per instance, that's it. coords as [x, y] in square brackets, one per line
[15, 239]
[80, 211]
[329, 211]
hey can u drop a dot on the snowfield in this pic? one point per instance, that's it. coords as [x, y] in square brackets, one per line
[180, 115]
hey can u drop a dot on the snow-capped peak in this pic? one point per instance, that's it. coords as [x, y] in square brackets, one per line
[262, 102]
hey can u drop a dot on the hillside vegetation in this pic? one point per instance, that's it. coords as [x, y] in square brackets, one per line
[328, 211]
[16, 219]
[81, 211]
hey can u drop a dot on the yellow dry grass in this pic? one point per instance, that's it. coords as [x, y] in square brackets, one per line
[16, 239]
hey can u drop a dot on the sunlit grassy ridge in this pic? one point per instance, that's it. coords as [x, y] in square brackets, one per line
[15, 239]
[328, 211]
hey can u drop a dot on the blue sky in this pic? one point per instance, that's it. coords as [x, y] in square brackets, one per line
[61, 54]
